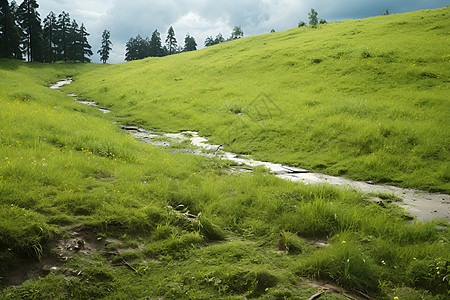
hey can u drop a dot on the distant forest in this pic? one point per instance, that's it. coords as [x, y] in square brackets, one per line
[24, 36]
[139, 47]
[58, 38]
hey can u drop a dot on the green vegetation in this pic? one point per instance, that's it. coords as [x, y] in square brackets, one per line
[367, 99]
[138, 221]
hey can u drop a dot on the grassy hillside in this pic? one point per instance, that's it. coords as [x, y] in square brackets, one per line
[367, 99]
[87, 212]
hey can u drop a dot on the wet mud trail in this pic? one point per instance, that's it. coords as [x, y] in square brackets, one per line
[420, 204]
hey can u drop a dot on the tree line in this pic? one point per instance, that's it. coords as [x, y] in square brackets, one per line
[24, 36]
[237, 33]
[139, 47]
[58, 38]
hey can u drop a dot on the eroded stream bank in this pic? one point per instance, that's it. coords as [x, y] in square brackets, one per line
[420, 204]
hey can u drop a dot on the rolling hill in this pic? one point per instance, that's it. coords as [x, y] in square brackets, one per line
[367, 99]
[89, 212]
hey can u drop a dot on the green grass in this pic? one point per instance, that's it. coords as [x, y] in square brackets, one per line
[367, 99]
[66, 166]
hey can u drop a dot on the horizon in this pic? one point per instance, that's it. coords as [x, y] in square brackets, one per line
[201, 19]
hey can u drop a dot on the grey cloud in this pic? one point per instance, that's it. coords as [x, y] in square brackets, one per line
[202, 18]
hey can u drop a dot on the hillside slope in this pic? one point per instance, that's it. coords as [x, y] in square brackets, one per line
[367, 99]
[88, 212]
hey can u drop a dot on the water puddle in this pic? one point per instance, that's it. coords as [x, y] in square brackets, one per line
[59, 84]
[420, 204]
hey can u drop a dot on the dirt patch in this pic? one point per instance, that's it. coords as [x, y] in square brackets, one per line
[27, 268]
[80, 240]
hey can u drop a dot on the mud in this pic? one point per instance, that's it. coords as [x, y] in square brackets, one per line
[80, 240]
[420, 204]
[26, 268]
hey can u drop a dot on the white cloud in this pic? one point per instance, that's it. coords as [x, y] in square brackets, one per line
[200, 27]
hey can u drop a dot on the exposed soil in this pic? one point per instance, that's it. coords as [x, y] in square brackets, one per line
[26, 268]
[81, 240]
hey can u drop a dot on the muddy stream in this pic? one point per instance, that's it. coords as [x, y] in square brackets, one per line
[420, 204]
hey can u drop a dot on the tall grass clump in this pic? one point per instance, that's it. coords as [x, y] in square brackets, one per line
[23, 233]
[345, 265]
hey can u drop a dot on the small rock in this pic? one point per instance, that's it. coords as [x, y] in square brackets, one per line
[441, 228]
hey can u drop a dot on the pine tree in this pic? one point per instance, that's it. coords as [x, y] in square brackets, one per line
[10, 33]
[50, 40]
[131, 49]
[313, 19]
[137, 48]
[30, 23]
[155, 45]
[209, 41]
[220, 39]
[74, 42]
[189, 43]
[171, 41]
[106, 46]
[63, 36]
[86, 49]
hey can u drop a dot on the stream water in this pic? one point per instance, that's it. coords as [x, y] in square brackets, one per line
[420, 204]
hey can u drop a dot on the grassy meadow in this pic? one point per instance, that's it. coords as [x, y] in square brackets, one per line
[366, 99]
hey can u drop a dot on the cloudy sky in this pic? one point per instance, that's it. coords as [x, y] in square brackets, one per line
[202, 18]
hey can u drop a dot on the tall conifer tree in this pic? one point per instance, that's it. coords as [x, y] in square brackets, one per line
[137, 48]
[105, 47]
[156, 48]
[63, 35]
[50, 37]
[74, 46]
[30, 22]
[10, 33]
[189, 43]
[86, 49]
[171, 41]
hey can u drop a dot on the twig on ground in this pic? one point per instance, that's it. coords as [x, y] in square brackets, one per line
[316, 296]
